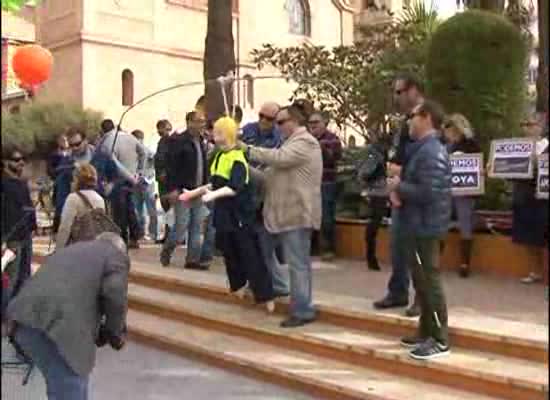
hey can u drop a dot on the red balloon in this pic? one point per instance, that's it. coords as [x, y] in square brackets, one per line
[32, 64]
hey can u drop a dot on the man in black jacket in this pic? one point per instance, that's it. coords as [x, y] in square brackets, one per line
[74, 302]
[18, 215]
[164, 129]
[407, 95]
[424, 190]
[186, 169]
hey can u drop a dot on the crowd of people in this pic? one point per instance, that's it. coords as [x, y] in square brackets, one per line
[257, 195]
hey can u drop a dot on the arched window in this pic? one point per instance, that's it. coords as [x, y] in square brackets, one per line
[248, 86]
[299, 17]
[127, 87]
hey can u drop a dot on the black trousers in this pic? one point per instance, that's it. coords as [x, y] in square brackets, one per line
[244, 262]
[124, 213]
[377, 210]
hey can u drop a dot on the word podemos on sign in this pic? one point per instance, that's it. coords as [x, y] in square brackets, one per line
[467, 174]
[512, 158]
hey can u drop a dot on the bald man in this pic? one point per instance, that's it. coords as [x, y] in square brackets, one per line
[263, 133]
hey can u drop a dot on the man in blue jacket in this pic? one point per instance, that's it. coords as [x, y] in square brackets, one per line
[424, 190]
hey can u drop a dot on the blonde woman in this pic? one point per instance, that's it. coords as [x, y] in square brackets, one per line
[460, 138]
[84, 184]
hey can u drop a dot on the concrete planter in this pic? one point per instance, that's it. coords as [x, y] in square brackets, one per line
[492, 253]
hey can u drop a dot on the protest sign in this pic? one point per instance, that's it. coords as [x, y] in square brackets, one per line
[542, 177]
[512, 158]
[467, 174]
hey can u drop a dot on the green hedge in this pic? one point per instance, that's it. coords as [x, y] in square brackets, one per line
[36, 127]
[477, 62]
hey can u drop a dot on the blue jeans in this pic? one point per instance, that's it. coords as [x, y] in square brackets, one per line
[62, 383]
[328, 198]
[398, 285]
[297, 249]
[209, 241]
[188, 219]
[145, 200]
[267, 245]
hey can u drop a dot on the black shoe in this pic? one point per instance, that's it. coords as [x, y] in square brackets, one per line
[196, 266]
[464, 271]
[280, 294]
[430, 349]
[294, 322]
[390, 302]
[133, 244]
[413, 311]
[373, 265]
[412, 342]
[165, 256]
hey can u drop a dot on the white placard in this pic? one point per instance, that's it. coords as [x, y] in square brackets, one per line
[512, 158]
[542, 177]
[467, 174]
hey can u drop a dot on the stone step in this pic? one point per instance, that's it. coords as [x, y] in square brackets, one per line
[478, 372]
[321, 378]
[504, 337]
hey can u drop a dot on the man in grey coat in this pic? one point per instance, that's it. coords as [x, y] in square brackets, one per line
[292, 208]
[76, 301]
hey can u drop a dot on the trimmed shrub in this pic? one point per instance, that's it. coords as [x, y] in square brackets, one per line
[476, 66]
[36, 127]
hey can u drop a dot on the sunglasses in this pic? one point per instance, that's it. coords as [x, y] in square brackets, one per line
[75, 145]
[17, 159]
[266, 117]
[528, 124]
[411, 115]
[282, 121]
[314, 122]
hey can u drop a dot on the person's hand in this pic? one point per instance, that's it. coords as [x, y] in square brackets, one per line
[109, 188]
[488, 168]
[172, 197]
[117, 342]
[395, 200]
[393, 182]
[393, 169]
[207, 197]
[240, 145]
[186, 196]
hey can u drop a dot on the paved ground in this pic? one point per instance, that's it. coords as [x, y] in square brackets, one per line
[479, 294]
[141, 373]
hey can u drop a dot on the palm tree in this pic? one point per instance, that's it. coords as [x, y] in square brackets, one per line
[422, 18]
[219, 55]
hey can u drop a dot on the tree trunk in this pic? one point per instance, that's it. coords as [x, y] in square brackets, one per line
[219, 55]
[542, 81]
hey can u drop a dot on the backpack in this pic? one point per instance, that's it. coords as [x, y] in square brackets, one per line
[91, 224]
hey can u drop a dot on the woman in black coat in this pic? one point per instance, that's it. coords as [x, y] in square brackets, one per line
[460, 140]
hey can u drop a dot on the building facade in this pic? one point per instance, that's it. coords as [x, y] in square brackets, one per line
[108, 54]
[17, 30]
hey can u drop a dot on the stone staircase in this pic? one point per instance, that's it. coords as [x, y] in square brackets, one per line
[352, 352]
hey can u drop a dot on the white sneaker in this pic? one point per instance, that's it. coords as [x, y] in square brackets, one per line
[531, 278]
[270, 306]
[240, 294]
